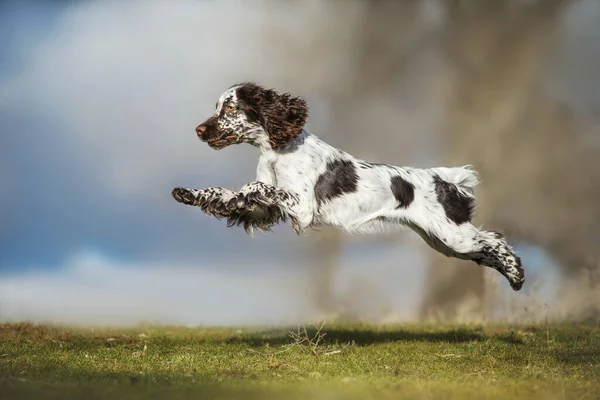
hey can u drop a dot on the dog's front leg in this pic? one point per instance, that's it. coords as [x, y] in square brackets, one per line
[262, 196]
[213, 200]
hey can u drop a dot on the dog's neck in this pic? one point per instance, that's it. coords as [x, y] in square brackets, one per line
[267, 150]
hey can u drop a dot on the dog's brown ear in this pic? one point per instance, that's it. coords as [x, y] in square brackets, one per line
[282, 115]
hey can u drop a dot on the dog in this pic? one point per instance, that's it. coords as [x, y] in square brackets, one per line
[303, 179]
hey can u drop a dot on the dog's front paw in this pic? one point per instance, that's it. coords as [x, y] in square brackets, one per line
[185, 196]
[252, 196]
[237, 202]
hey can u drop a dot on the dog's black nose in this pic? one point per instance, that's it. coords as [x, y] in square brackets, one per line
[200, 129]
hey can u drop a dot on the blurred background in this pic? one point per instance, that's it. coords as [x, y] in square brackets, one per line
[98, 105]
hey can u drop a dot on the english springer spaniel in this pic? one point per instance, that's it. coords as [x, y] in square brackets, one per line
[303, 179]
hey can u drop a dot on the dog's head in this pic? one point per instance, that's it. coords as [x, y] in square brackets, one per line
[250, 113]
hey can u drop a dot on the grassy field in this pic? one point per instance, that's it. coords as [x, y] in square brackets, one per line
[329, 362]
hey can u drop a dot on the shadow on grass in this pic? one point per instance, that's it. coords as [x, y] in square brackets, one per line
[360, 337]
[127, 387]
[578, 356]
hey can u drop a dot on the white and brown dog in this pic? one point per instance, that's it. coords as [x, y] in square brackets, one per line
[302, 178]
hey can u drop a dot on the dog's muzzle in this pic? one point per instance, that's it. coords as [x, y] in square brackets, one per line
[218, 142]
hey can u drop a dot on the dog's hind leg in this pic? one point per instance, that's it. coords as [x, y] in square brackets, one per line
[496, 253]
[467, 242]
[443, 219]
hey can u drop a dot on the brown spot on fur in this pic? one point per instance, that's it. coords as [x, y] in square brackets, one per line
[281, 115]
[458, 207]
[403, 191]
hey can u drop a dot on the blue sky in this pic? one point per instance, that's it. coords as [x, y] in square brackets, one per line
[98, 104]
[72, 185]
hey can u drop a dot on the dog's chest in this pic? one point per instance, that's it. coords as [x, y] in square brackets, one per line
[271, 167]
[293, 173]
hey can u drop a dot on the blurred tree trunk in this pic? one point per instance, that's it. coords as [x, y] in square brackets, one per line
[541, 181]
[326, 249]
[384, 36]
[495, 51]
[558, 208]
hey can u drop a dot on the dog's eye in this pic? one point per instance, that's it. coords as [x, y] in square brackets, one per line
[229, 109]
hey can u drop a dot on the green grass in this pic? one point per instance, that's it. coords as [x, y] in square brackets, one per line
[339, 361]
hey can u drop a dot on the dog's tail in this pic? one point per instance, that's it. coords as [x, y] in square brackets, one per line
[465, 178]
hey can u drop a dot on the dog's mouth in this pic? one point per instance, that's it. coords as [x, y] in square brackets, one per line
[223, 141]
